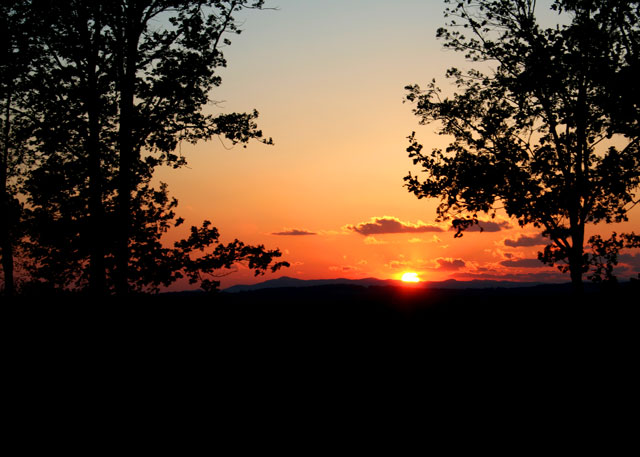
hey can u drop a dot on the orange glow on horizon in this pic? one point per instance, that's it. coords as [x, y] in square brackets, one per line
[410, 277]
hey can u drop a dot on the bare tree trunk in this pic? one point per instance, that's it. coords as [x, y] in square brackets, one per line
[576, 263]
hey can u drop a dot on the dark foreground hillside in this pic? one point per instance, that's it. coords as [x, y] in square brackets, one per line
[541, 311]
[346, 309]
[275, 340]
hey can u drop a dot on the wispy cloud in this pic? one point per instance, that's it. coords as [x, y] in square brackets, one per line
[395, 264]
[434, 239]
[538, 276]
[448, 264]
[525, 241]
[633, 260]
[344, 268]
[373, 240]
[390, 224]
[294, 232]
[522, 263]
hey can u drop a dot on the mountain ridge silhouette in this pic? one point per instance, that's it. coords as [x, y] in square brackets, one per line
[287, 281]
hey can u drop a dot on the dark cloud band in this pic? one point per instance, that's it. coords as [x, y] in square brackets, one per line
[522, 263]
[450, 264]
[524, 241]
[388, 224]
[294, 232]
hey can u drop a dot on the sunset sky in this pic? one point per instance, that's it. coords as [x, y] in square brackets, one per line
[328, 80]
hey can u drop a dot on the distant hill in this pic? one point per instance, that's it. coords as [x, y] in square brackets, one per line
[286, 281]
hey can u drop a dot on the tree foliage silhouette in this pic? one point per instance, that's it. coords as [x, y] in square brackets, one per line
[18, 56]
[549, 133]
[118, 86]
[10, 39]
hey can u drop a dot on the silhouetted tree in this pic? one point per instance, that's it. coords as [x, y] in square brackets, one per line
[163, 79]
[17, 58]
[72, 147]
[200, 258]
[546, 127]
[120, 85]
[604, 255]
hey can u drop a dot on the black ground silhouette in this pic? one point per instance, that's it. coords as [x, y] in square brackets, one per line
[346, 309]
[315, 338]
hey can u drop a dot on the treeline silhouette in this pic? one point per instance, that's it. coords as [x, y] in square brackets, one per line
[96, 95]
[543, 126]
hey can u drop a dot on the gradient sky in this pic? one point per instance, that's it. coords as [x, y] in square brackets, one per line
[328, 80]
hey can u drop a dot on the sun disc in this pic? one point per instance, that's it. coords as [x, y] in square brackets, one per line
[410, 277]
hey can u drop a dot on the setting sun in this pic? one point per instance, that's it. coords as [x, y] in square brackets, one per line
[410, 277]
